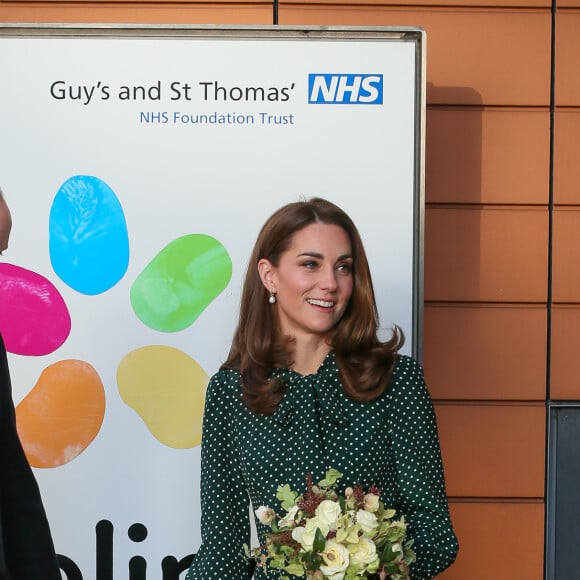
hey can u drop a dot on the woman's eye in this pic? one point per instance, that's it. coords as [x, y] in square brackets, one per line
[310, 264]
[344, 268]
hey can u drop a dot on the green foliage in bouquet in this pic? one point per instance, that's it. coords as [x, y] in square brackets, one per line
[324, 536]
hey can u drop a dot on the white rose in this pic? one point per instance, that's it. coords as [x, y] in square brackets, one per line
[305, 535]
[289, 520]
[367, 520]
[336, 559]
[298, 535]
[364, 552]
[371, 502]
[328, 512]
[265, 515]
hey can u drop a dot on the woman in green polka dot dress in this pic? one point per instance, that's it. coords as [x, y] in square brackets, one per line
[308, 386]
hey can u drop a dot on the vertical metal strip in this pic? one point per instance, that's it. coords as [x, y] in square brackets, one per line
[551, 411]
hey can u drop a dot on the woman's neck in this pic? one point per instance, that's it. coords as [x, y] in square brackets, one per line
[309, 354]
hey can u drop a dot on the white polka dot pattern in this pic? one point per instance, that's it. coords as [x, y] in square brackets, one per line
[391, 442]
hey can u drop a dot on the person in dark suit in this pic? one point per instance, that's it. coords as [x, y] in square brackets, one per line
[26, 546]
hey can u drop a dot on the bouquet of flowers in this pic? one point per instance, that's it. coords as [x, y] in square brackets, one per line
[324, 536]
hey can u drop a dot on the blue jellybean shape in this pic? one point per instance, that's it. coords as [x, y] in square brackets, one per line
[88, 239]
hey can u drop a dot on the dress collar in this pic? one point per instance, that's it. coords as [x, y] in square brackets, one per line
[326, 384]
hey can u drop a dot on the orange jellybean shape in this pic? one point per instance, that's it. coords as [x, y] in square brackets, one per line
[62, 414]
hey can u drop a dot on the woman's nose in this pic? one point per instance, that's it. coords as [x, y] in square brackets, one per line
[328, 279]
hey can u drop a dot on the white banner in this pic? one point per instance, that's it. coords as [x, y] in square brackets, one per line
[139, 166]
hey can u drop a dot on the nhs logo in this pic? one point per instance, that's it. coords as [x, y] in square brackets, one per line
[345, 89]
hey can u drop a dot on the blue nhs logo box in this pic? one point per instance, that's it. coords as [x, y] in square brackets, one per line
[345, 89]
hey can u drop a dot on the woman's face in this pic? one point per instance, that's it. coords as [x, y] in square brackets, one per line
[313, 280]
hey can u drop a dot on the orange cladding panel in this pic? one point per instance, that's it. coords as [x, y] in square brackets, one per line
[566, 255]
[567, 51]
[474, 55]
[566, 166]
[485, 352]
[493, 450]
[486, 254]
[565, 368]
[437, 3]
[498, 541]
[140, 13]
[478, 155]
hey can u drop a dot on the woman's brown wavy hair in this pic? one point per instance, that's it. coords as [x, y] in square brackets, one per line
[365, 363]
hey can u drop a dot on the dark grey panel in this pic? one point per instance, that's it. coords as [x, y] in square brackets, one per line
[563, 507]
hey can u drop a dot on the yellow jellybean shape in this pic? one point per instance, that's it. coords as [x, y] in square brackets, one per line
[166, 388]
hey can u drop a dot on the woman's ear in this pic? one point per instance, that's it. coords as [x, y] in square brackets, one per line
[267, 275]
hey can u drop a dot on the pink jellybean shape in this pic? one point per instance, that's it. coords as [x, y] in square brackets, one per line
[34, 319]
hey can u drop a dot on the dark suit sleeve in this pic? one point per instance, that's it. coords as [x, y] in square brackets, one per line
[28, 546]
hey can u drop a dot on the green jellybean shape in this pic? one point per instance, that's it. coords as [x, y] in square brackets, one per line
[180, 282]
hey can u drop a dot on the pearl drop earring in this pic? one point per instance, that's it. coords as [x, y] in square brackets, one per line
[272, 299]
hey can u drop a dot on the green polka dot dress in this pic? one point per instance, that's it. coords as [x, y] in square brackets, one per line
[391, 442]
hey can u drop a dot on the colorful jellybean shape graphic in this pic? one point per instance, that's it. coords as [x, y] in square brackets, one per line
[62, 414]
[88, 239]
[166, 388]
[34, 319]
[180, 282]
